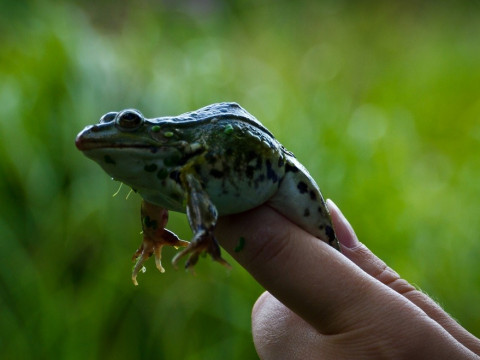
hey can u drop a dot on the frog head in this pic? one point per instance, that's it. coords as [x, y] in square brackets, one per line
[131, 148]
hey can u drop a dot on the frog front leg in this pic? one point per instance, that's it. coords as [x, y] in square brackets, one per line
[202, 216]
[155, 237]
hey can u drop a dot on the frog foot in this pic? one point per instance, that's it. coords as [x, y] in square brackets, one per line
[153, 245]
[203, 242]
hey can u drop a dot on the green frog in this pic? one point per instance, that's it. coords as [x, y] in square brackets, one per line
[214, 161]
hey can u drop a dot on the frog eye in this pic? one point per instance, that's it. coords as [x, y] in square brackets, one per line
[110, 116]
[129, 120]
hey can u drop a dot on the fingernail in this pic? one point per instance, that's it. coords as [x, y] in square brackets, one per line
[345, 233]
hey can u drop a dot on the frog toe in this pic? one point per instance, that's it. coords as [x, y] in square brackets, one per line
[140, 259]
[203, 242]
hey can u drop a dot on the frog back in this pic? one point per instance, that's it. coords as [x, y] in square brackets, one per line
[243, 164]
[229, 111]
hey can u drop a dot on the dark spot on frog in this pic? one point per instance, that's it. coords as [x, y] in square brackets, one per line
[320, 210]
[176, 197]
[197, 168]
[173, 160]
[108, 159]
[251, 155]
[302, 187]
[291, 168]
[313, 196]
[271, 175]
[280, 181]
[149, 223]
[306, 213]
[280, 162]
[226, 169]
[162, 174]
[258, 180]
[217, 173]
[330, 233]
[250, 171]
[150, 168]
[237, 163]
[211, 158]
[175, 176]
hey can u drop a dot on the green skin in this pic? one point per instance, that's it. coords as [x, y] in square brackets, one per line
[217, 160]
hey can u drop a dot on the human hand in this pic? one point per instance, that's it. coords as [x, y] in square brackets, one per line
[332, 305]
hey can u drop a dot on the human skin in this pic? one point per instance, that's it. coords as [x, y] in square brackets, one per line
[334, 305]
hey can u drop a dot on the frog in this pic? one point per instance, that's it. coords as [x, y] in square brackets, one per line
[214, 161]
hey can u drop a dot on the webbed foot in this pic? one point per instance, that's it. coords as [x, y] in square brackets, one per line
[203, 242]
[155, 237]
[154, 245]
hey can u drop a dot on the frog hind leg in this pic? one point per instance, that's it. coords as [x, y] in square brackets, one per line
[155, 237]
[202, 216]
[300, 200]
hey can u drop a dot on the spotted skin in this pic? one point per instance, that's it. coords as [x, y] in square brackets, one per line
[217, 160]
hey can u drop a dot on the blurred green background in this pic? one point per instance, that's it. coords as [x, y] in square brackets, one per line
[380, 102]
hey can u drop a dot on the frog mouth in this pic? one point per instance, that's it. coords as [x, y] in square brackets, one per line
[84, 143]
[92, 145]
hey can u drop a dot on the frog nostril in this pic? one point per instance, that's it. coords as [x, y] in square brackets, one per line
[129, 120]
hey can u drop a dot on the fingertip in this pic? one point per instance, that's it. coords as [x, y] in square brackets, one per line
[258, 306]
[345, 233]
[269, 317]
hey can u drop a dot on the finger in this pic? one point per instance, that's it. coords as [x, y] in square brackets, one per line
[279, 333]
[308, 276]
[371, 264]
[327, 290]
